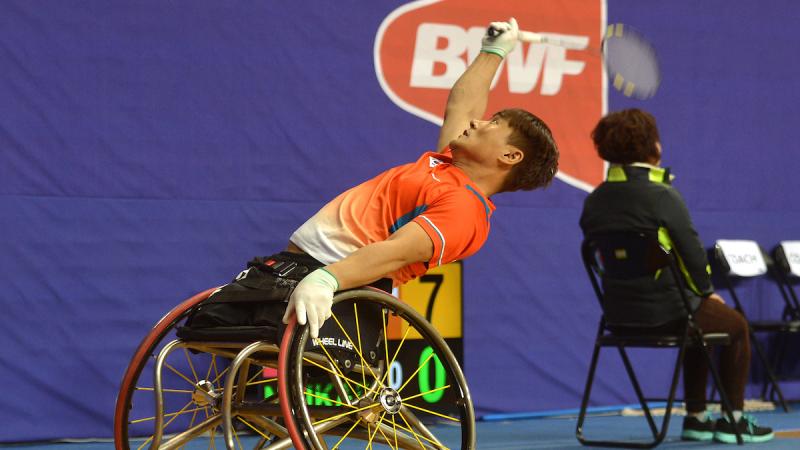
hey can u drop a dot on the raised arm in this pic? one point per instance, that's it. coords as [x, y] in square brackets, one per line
[470, 94]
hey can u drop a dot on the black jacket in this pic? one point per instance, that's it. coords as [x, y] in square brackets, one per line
[641, 198]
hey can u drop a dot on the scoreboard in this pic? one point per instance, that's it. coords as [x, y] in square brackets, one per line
[438, 297]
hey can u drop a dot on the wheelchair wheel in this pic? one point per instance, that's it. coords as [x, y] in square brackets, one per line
[348, 386]
[172, 391]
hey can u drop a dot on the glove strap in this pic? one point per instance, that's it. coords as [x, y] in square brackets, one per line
[329, 278]
[494, 51]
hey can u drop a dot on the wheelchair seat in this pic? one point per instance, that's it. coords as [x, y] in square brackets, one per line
[229, 333]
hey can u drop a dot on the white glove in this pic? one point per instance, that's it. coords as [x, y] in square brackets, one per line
[312, 297]
[501, 37]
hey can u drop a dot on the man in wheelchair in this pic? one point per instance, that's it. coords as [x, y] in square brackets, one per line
[383, 232]
[638, 196]
[431, 212]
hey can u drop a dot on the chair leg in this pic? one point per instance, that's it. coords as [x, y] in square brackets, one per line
[635, 382]
[673, 387]
[586, 394]
[658, 436]
[780, 354]
[768, 369]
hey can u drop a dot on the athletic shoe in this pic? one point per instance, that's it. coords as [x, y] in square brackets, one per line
[748, 428]
[698, 430]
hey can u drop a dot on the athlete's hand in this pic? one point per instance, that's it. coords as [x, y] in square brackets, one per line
[312, 299]
[500, 38]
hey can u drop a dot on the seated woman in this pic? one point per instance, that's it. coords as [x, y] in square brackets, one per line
[637, 195]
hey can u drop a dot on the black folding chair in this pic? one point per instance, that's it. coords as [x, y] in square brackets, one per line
[787, 271]
[624, 256]
[742, 259]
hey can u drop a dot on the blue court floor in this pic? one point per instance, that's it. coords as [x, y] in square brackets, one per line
[540, 433]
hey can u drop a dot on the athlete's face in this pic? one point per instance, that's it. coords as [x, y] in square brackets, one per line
[483, 138]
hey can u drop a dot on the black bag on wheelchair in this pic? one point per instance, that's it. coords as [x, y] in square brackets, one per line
[251, 306]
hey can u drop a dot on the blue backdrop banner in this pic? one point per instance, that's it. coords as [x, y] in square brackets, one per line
[148, 149]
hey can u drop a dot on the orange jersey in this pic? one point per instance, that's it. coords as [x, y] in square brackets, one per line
[431, 192]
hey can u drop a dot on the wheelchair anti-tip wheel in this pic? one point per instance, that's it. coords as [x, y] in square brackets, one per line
[345, 387]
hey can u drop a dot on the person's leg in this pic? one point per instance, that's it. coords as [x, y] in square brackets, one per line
[716, 317]
[697, 425]
[695, 376]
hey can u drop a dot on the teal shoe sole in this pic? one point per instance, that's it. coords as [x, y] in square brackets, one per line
[694, 435]
[731, 438]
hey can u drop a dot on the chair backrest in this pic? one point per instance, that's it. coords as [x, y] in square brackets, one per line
[624, 255]
[628, 255]
[745, 259]
[740, 258]
[787, 258]
[787, 264]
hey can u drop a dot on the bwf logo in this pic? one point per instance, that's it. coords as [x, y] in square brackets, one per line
[443, 45]
[423, 47]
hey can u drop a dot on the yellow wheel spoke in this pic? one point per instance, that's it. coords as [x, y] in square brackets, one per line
[194, 416]
[179, 374]
[338, 372]
[432, 412]
[388, 442]
[175, 414]
[212, 443]
[239, 443]
[426, 393]
[145, 419]
[416, 371]
[396, 352]
[253, 427]
[338, 416]
[360, 350]
[270, 380]
[344, 436]
[385, 343]
[363, 361]
[214, 366]
[258, 372]
[416, 435]
[182, 391]
[327, 399]
[191, 366]
[145, 443]
[216, 379]
[413, 433]
[377, 427]
[394, 427]
[211, 365]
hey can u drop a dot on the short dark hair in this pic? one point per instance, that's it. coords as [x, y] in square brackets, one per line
[626, 137]
[531, 135]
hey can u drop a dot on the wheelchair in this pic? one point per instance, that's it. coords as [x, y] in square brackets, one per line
[267, 388]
